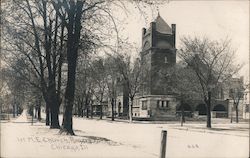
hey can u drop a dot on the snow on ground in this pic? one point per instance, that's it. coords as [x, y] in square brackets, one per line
[102, 138]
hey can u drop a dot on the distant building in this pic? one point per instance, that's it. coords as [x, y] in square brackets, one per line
[98, 107]
[235, 92]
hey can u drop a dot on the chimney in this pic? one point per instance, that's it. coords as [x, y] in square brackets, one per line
[174, 34]
[173, 28]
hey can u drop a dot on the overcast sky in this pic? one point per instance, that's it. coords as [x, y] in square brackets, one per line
[215, 19]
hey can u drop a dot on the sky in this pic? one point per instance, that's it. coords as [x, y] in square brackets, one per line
[214, 19]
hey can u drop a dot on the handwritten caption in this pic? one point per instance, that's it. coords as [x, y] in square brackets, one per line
[61, 143]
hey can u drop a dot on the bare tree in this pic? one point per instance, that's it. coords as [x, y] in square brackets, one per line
[99, 79]
[131, 73]
[36, 33]
[236, 93]
[71, 14]
[112, 74]
[181, 81]
[212, 62]
[17, 86]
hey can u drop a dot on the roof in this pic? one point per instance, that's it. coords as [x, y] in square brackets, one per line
[162, 26]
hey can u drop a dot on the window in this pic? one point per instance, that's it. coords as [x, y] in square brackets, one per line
[167, 103]
[136, 101]
[163, 103]
[247, 108]
[166, 60]
[144, 105]
[158, 103]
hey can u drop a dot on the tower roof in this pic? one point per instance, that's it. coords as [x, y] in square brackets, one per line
[162, 26]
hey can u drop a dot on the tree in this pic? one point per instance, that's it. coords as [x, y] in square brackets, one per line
[236, 93]
[181, 82]
[212, 62]
[112, 74]
[131, 73]
[99, 79]
[71, 14]
[83, 85]
[17, 86]
[34, 33]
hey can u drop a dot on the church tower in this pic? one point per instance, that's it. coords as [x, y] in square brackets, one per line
[155, 100]
[158, 55]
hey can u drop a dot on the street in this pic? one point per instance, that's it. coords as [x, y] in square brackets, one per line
[102, 138]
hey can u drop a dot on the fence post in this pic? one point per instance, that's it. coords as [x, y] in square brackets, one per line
[163, 144]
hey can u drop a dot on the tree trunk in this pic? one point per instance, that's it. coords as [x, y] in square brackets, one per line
[91, 111]
[36, 111]
[69, 98]
[79, 109]
[39, 113]
[54, 115]
[87, 112]
[182, 114]
[112, 109]
[82, 109]
[82, 113]
[14, 110]
[237, 113]
[39, 100]
[101, 112]
[231, 115]
[87, 106]
[54, 106]
[47, 114]
[131, 111]
[74, 32]
[208, 102]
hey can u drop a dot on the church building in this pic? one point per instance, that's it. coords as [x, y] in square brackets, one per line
[155, 100]
[158, 54]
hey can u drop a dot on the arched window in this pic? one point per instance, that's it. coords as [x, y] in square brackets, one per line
[201, 108]
[219, 107]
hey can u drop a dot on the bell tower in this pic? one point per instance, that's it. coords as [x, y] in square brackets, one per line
[158, 55]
